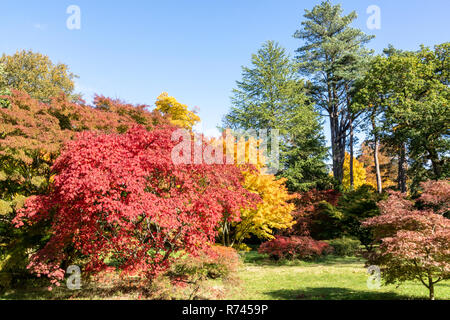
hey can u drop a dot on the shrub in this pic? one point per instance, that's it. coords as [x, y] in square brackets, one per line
[215, 262]
[295, 247]
[356, 206]
[192, 272]
[309, 216]
[344, 246]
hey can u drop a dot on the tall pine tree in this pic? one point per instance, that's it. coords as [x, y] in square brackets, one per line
[333, 56]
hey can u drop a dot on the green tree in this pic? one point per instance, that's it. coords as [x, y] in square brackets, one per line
[4, 90]
[371, 103]
[406, 97]
[333, 56]
[427, 119]
[270, 96]
[37, 75]
[356, 206]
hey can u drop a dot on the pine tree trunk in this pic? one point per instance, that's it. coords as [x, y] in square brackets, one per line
[341, 157]
[334, 149]
[402, 169]
[352, 178]
[338, 149]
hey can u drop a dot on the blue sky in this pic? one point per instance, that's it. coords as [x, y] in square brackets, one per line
[193, 49]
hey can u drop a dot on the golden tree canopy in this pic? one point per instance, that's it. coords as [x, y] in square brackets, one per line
[178, 112]
[359, 173]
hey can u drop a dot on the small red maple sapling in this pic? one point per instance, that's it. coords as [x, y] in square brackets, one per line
[415, 237]
[121, 198]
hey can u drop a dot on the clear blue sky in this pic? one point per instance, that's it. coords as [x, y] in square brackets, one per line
[193, 49]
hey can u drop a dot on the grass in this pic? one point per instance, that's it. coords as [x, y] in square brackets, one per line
[330, 278]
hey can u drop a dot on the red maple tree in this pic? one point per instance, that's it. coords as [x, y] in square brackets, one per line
[415, 237]
[121, 198]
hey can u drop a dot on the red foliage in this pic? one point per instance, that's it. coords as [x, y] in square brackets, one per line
[308, 209]
[226, 256]
[295, 247]
[213, 262]
[32, 128]
[415, 239]
[120, 197]
[436, 195]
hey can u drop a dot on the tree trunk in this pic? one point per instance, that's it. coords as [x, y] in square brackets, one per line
[431, 287]
[352, 178]
[435, 163]
[402, 169]
[335, 149]
[338, 149]
[376, 147]
[377, 166]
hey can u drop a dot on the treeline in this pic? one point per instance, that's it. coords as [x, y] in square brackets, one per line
[95, 185]
[398, 98]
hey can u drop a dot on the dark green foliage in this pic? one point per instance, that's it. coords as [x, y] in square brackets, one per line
[14, 257]
[359, 205]
[344, 247]
[407, 95]
[353, 207]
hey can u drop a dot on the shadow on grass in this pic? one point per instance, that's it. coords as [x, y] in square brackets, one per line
[89, 291]
[334, 294]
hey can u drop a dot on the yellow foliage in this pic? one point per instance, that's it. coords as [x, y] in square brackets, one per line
[274, 212]
[5, 207]
[178, 113]
[359, 173]
[243, 151]
[388, 167]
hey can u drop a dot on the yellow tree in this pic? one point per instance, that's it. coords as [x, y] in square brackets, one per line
[178, 113]
[274, 210]
[359, 173]
[388, 166]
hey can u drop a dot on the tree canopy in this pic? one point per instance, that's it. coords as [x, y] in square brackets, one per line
[37, 75]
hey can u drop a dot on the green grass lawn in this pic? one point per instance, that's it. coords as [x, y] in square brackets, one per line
[332, 278]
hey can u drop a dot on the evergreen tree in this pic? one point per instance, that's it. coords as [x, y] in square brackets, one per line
[333, 56]
[270, 96]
